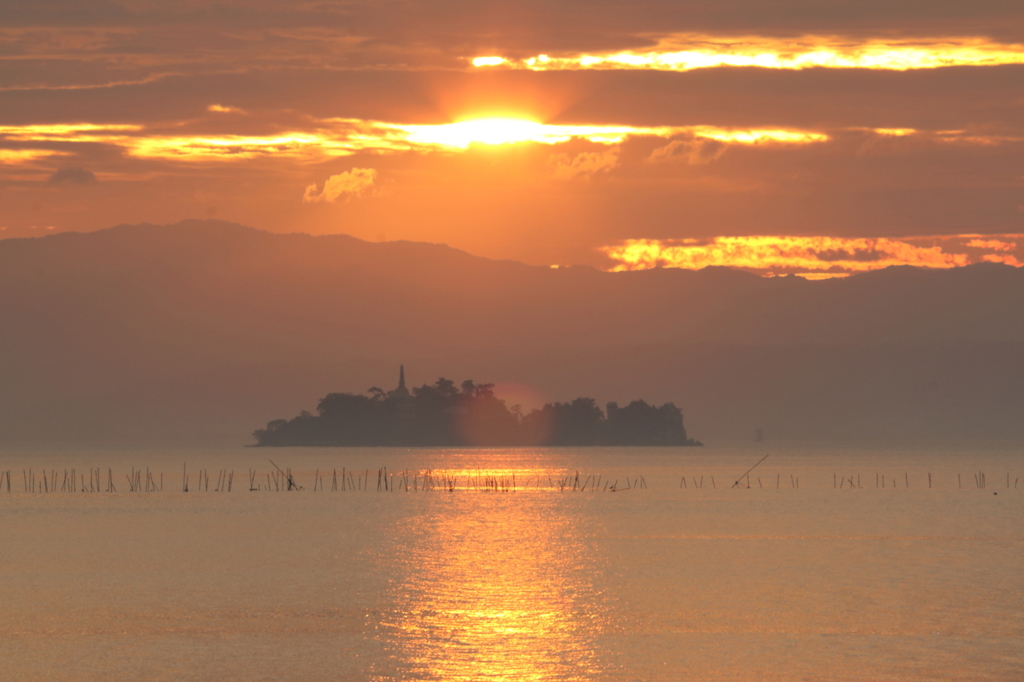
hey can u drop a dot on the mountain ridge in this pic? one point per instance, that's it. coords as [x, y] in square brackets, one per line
[221, 327]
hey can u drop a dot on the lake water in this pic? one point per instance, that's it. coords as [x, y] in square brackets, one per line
[791, 578]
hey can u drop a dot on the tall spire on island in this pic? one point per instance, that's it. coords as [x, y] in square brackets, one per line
[401, 391]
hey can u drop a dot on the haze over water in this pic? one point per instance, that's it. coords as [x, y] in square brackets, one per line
[771, 582]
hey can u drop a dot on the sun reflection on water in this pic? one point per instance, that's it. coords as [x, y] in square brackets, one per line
[497, 587]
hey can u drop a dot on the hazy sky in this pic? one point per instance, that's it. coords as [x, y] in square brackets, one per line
[844, 135]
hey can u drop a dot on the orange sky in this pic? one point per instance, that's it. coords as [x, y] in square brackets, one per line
[656, 133]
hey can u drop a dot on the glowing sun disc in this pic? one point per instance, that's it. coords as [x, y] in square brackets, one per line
[492, 131]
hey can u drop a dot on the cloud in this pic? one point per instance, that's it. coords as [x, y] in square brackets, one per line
[14, 156]
[585, 165]
[994, 244]
[684, 52]
[347, 184]
[695, 151]
[72, 176]
[336, 137]
[221, 109]
[1002, 258]
[811, 256]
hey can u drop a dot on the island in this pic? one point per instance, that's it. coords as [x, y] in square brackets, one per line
[443, 414]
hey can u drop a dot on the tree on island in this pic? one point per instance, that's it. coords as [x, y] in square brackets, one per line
[442, 414]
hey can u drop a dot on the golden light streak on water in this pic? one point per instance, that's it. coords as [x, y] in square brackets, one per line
[690, 51]
[494, 589]
[487, 479]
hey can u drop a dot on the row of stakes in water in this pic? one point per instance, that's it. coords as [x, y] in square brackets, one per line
[281, 480]
[92, 480]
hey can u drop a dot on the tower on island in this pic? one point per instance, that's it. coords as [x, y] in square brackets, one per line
[401, 391]
[404, 412]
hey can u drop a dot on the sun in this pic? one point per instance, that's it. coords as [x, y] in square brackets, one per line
[493, 131]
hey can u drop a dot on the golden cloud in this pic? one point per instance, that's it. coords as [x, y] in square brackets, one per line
[222, 109]
[347, 184]
[333, 138]
[815, 276]
[695, 151]
[230, 147]
[342, 137]
[462, 134]
[1005, 259]
[17, 156]
[584, 165]
[685, 52]
[812, 257]
[993, 244]
[66, 132]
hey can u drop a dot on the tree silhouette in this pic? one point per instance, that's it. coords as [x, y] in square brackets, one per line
[441, 414]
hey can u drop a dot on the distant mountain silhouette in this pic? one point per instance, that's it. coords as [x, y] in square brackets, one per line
[192, 333]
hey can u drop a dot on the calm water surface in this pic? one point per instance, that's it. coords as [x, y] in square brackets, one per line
[791, 578]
